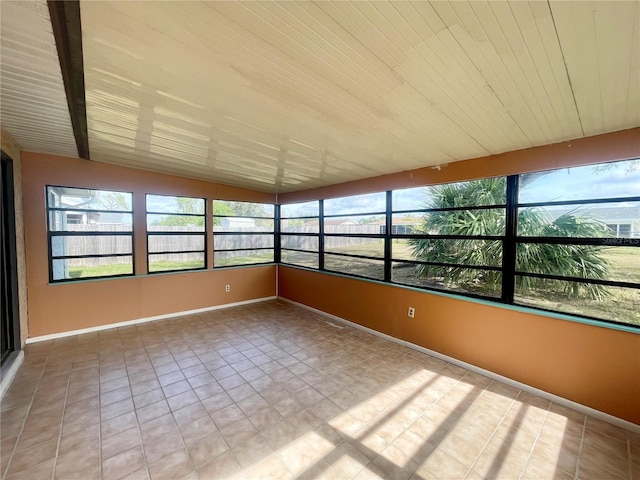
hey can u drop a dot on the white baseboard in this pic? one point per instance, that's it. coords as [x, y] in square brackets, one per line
[109, 326]
[9, 373]
[487, 373]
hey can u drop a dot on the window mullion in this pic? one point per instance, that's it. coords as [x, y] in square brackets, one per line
[387, 237]
[320, 234]
[509, 242]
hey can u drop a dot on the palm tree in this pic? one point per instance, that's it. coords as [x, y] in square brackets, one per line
[566, 260]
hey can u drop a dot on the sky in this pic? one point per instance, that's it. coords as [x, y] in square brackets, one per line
[620, 179]
[615, 180]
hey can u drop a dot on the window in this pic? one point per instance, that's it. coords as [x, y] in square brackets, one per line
[243, 233]
[575, 250]
[450, 236]
[565, 240]
[90, 233]
[175, 233]
[300, 234]
[353, 240]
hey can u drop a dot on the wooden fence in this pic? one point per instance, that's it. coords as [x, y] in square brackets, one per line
[116, 244]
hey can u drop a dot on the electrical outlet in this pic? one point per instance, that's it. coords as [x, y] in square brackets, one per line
[411, 312]
[227, 288]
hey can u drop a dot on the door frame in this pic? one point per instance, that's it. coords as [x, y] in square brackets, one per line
[10, 303]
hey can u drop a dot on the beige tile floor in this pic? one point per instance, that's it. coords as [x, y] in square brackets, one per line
[274, 391]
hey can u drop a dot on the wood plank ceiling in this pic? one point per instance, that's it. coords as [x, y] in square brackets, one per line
[33, 106]
[285, 96]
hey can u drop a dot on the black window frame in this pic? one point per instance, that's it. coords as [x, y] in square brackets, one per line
[274, 233]
[152, 233]
[62, 233]
[510, 240]
[380, 235]
[319, 235]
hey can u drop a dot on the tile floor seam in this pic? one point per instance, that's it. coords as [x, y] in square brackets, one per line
[577, 474]
[470, 470]
[64, 409]
[536, 438]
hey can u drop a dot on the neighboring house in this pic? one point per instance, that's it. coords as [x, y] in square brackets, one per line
[239, 223]
[622, 221]
[401, 226]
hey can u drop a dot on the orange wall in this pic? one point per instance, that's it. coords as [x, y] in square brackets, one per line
[594, 366]
[69, 306]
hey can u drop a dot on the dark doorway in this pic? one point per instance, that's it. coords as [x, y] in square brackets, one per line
[10, 324]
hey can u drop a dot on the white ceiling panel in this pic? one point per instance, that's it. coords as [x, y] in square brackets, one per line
[33, 105]
[285, 96]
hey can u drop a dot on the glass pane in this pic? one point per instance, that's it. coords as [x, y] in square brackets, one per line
[487, 283]
[355, 266]
[369, 247]
[175, 243]
[488, 191]
[608, 180]
[355, 224]
[235, 242]
[621, 264]
[169, 204]
[62, 246]
[174, 223]
[300, 258]
[407, 223]
[299, 242]
[369, 202]
[229, 259]
[76, 221]
[459, 222]
[306, 209]
[300, 225]
[463, 252]
[85, 199]
[175, 261]
[92, 267]
[620, 220]
[609, 303]
[242, 209]
[242, 224]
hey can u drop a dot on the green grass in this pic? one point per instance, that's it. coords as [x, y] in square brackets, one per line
[124, 269]
[166, 266]
[100, 271]
[235, 261]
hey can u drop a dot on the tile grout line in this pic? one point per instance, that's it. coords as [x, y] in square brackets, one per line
[484, 447]
[584, 423]
[66, 395]
[536, 439]
[99, 407]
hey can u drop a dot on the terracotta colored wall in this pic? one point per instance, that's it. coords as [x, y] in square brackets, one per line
[69, 306]
[11, 148]
[594, 366]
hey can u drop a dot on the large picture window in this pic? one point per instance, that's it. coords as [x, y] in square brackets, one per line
[90, 233]
[243, 233]
[175, 233]
[564, 240]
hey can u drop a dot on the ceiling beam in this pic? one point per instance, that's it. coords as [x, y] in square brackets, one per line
[67, 31]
